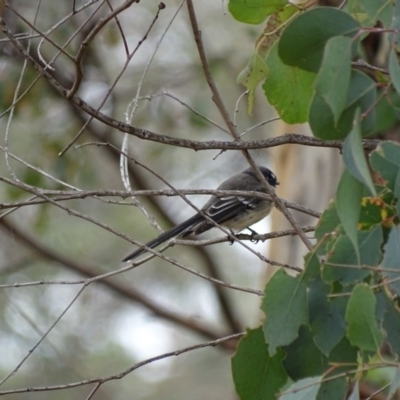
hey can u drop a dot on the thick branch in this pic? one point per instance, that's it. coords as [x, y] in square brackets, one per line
[179, 142]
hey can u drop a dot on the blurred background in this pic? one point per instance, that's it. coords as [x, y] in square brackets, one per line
[154, 308]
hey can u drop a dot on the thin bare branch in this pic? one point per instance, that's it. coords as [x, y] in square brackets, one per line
[122, 374]
[84, 45]
[5, 379]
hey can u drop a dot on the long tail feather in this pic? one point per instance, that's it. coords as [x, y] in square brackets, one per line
[173, 232]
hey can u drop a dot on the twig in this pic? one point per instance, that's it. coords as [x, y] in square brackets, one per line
[361, 63]
[71, 97]
[92, 393]
[44, 336]
[241, 236]
[80, 194]
[122, 374]
[84, 45]
[237, 106]
[167, 94]
[210, 80]
[259, 124]
[120, 30]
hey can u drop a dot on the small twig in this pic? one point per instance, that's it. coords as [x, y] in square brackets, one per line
[43, 337]
[210, 80]
[84, 45]
[131, 109]
[259, 124]
[92, 393]
[165, 93]
[241, 236]
[121, 375]
[343, 374]
[71, 97]
[361, 63]
[82, 194]
[121, 31]
[237, 106]
[40, 33]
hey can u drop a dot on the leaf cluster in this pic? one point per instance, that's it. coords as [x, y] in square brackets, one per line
[324, 327]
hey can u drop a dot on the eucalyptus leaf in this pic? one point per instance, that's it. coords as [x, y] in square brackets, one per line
[333, 79]
[363, 331]
[286, 309]
[303, 41]
[354, 157]
[255, 373]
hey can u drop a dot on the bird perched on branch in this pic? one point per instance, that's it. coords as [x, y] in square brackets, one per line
[233, 212]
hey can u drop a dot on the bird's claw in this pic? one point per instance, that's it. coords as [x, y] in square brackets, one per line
[252, 240]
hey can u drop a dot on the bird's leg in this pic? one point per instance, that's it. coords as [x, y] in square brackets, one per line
[231, 239]
[253, 232]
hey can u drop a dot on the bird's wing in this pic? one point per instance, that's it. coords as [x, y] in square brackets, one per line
[222, 209]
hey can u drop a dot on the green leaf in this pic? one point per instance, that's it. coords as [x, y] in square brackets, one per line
[380, 308]
[386, 117]
[342, 265]
[327, 230]
[303, 41]
[328, 222]
[305, 389]
[391, 258]
[355, 395]
[395, 384]
[375, 211]
[286, 309]
[257, 375]
[288, 89]
[332, 83]
[391, 325]
[333, 390]
[397, 192]
[368, 12]
[361, 94]
[326, 316]
[344, 353]
[363, 331]
[256, 70]
[312, 266]
[391, 152]
[379, 10]
[394, 70]
[304, 359]
[384, 161]
[255, 11]
[348, 203]
[354, 157]
[395, 37]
